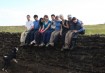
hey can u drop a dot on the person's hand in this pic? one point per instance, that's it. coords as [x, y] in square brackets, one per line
[60, 33]
[75, 31]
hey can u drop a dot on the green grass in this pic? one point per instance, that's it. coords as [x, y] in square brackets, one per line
[90, 29]
[95, 29]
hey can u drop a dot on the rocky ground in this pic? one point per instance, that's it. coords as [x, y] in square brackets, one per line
[88, 56]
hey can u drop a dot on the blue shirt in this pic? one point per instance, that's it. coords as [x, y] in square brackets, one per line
[36, 25]
[58, 25]
[77, 26]
[46, 24]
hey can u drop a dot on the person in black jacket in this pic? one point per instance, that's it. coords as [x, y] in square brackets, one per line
[11, 56]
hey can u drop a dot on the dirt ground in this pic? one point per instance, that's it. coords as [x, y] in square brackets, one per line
[87, 57]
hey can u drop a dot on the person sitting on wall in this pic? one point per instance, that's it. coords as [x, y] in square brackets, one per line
[75, 28]
[29, 26]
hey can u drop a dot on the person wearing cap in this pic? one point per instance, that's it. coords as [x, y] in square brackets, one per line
[55, 33]
[75, 28]
[45, 31]
[29, 26]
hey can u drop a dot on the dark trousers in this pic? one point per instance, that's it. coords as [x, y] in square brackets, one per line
[63, 37]
[38, 37]
[46, 36]
[30, 36]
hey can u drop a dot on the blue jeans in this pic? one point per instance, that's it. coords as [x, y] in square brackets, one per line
[46, 36]
[30, 36]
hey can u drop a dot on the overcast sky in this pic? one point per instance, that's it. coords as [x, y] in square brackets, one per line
[13, 12]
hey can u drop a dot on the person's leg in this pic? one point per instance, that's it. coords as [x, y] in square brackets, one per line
[68, 39]
[23, 37]
[52, 38]
[48, 36]
[63, 37]
[73, 40]
[27, 41]
[32, 35]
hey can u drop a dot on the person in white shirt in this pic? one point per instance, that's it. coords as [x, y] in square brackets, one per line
[29, 26]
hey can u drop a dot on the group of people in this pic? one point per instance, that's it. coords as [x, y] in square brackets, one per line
[44, 32]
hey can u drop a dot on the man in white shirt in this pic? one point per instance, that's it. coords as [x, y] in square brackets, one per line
[29, 26]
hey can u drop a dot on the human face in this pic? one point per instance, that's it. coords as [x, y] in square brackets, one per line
[53, 17]
[28, 18]
[45, 18]
[75, 21]
[61, 17]
[57, 18]
[36, 18]
[42, 20]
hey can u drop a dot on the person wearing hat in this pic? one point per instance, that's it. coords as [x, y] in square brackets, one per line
[75, 28]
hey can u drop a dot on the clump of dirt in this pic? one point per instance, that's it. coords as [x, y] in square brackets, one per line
[87, 57]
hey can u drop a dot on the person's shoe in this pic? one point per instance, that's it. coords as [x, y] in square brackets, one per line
[22, 44]
[50, 45]
[6, 71]
[72, 47]
[3, 69]
[47, 45]
[42, 44]
[36, 45]
[64, 48]
[33, 42]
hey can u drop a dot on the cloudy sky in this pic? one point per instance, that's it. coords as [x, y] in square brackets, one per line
[13, 12]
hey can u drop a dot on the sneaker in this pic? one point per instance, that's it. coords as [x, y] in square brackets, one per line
[3, 69]
[33, 42]
[47, 45]
[6, 71]
[36, 45]
[64, 48]
[42, 44]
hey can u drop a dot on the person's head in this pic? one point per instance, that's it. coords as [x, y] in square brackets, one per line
[41, 20]
[61, 17]
[46, 17]
[28, 17]
[74, 20]
[69, 17]
[53, 17]
[57, 18]
[36, 17]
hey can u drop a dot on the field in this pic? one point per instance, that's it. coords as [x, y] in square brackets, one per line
[90, 29]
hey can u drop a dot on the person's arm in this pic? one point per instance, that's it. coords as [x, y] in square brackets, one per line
[67, 25]
[32, 26]
[61, 31]
[82, 29]
[47, 27]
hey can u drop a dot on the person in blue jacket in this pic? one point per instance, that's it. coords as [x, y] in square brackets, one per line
[75, 28]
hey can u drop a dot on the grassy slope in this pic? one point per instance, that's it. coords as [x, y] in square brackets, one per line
[90, 29]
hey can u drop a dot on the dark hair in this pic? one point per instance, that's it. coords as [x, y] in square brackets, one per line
[35, 16]
[28, 15]
[53, 15]
[46, 16]
[40, 23]
[74, 18]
